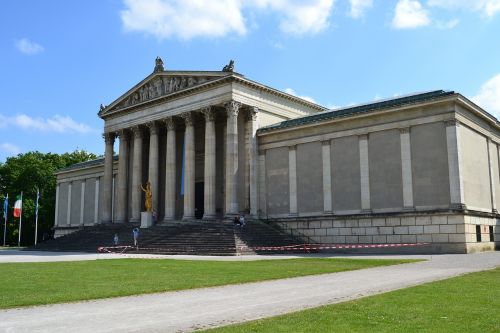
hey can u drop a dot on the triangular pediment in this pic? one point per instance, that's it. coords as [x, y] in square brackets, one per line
[159, 85]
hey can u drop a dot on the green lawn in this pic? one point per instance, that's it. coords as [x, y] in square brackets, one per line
[470, 303]
[24, 284]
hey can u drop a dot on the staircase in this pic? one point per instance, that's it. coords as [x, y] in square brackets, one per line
[198, 237]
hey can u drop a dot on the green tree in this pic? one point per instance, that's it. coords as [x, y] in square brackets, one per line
[27, 173]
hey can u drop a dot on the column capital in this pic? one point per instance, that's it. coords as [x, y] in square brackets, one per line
[363, 136]
[208, 113]
[232, 108]
[170, 123]
[137, 130]
[252, 113]
[404, 130]
[325, 142]
[109, 137]
[123, 134]
[153, 127]
[188, 118]
[451, 122]
[292, 147]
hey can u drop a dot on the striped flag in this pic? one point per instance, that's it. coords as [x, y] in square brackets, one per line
[5, 207]
[18, 206]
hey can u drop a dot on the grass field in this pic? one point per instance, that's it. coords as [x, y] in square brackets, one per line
[23, 284]
[469, 303]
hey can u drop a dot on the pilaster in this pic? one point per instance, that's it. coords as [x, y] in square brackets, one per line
[406, 168]
[454, 159]
[492, 147]
[82, 202]
[292, 173]
[327, 178]
[68, 212]
[364, 170]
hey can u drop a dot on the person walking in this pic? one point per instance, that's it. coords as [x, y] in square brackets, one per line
[135, 232]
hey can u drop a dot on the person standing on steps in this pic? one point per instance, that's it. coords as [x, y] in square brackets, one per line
[135, 232]
[115, 240]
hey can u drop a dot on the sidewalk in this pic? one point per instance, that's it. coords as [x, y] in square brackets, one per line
[202, 308]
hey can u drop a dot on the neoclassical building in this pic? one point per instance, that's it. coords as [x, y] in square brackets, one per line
[421, 168]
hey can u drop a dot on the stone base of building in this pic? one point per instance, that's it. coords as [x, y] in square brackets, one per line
[63, 231]
[439, 232]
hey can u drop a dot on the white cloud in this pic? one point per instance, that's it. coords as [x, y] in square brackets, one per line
[488, 96]
[410, 14]
[487, 8]
[58, 124]
[448, 24]
[186, 19]
[292, 92]
[359, 7]
[9, 148]
[28, 47]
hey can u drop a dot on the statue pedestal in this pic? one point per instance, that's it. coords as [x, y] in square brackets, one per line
[146, 219]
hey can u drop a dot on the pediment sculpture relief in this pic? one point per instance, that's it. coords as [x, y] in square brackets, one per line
[160, 86]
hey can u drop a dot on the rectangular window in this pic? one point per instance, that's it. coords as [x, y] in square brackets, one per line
[492, 235]
[478, 233]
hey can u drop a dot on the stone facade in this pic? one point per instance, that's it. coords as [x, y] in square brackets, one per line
[417, 169]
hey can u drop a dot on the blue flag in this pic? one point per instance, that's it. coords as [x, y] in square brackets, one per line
[5, 207]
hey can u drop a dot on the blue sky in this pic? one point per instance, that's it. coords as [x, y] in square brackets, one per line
[59, 59]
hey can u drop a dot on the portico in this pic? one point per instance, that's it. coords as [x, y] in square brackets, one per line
[192, 135]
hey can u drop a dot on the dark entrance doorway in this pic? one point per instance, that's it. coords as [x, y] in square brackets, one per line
[198, 200]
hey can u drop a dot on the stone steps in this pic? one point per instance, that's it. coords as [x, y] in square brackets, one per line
[201, 238]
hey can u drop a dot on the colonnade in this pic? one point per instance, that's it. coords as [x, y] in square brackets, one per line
[123, 186]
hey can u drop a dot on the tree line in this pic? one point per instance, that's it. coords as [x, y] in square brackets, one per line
[27, 173]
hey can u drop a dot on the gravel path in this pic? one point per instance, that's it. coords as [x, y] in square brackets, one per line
[186, 311]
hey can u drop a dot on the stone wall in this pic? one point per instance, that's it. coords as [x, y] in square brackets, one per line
[442, 232]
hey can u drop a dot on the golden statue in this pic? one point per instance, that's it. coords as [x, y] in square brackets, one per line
[148, 202]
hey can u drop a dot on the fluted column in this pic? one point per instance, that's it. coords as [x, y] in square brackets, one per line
[189, 164]
[232, 109]
[252, 159]
[107, 195]
[170, 171]
[209, 172]
[137, 175]
[122, 177]
[153, 163]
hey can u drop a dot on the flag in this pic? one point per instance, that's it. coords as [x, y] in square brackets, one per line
[37, 198]
[18, 206]
[5, 207]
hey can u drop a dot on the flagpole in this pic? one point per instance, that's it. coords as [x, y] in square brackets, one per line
[5, 208]
[36, 214]
[20, 220]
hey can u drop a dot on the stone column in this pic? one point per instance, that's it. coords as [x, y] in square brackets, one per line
[491, 147]
[153, 163]
[56, 217]
[170, 170]
[68, 212]
[122, 177]
[209, 172]
[232, 208]
[82, 202]
[292, 173]
[107, 195]
[96, 200]
[252, 159]
[137, 176]
[189, 167]
[364, 173]
[406, 168]
[327, 178]
[454, 157]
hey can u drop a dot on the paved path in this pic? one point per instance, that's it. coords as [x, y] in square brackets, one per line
[202, 308]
